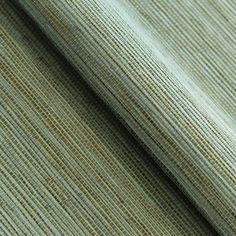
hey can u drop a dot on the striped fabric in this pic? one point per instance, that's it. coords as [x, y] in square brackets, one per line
[67, 165]
[163, 102]
[166, 69]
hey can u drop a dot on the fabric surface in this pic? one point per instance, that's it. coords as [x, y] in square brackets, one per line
[67, 166]
[167, 103]
[167, 71]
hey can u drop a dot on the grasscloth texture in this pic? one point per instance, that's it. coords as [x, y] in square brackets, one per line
[167, 69]
[201, 37]
[67, 165]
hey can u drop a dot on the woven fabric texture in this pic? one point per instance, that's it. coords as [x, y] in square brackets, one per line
[68, 167]
[168, 70]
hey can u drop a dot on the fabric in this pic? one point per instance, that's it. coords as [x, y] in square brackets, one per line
[166, 71]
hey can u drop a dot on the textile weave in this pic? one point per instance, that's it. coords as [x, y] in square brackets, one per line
[117, 117]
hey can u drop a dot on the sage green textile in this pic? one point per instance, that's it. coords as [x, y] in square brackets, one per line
[166, 69]
[68, 167]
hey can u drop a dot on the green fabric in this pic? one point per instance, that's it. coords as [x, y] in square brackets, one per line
[165, 69]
